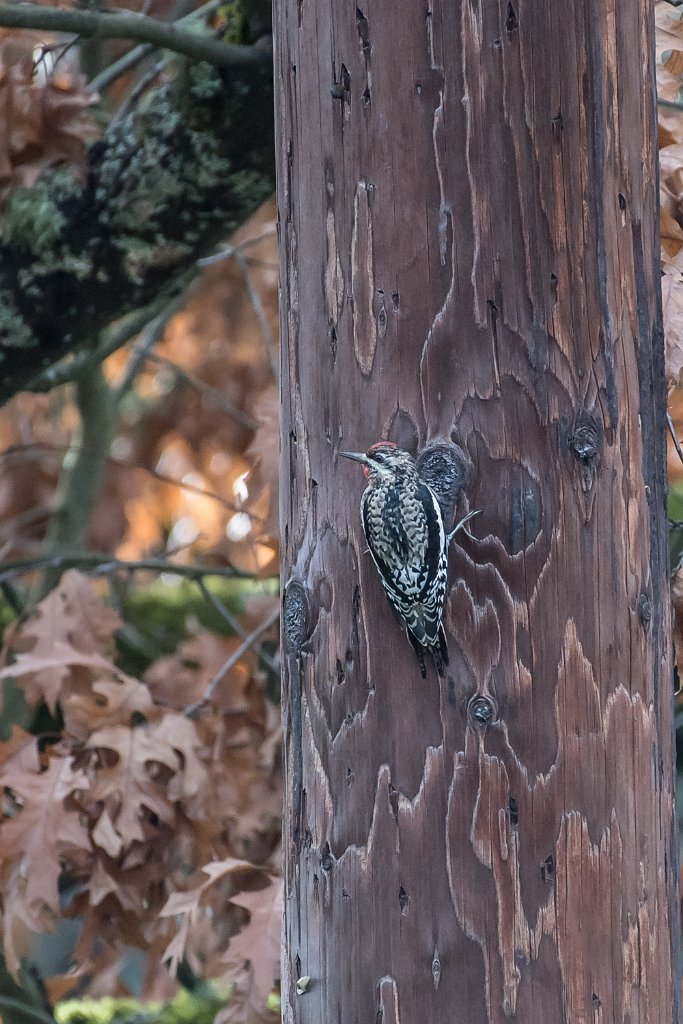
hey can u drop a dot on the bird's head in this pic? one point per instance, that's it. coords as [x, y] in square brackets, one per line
[383, 460]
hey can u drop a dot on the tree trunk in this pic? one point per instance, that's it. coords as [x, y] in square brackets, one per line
[469, 256]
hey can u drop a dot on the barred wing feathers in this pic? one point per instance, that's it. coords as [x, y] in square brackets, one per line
[407, 541]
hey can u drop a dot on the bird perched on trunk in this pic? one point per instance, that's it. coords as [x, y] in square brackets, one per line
[408, 541]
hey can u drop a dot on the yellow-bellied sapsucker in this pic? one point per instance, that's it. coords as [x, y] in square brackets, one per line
[408, 541]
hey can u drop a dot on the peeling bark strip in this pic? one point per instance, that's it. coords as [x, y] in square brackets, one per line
[469, 260]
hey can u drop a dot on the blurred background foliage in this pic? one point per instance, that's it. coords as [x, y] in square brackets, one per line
[139, 720]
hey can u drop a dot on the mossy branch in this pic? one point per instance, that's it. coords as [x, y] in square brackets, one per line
[168, 181]
[96, 25]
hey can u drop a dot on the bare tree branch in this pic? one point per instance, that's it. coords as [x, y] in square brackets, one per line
[164, 186]
[229, 251]
[138, 53]
[95, 25]
[194, 710]
[214, 395]
[113, 339]
[669, 104]
[235, 625]
[674, 438]
[257, 305]
[98, 564]
[21, 452]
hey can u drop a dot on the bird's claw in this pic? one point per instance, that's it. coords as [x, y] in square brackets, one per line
[461, 525]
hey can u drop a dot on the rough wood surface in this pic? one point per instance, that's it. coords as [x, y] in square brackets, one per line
[468, 240]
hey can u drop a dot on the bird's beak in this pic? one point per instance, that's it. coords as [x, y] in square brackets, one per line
[356, 456]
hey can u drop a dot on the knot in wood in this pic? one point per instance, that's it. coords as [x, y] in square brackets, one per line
[295, 622]
[548, 868]
[645, 611]
[584, 444]
[481, 711]
[436, 969]
[586, 438]
[444, 467]
[326, 861]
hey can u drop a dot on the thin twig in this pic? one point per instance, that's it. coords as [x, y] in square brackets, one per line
[21, 451]
[255, 299]
[151, 334]
[215, 396]
[13, 597]
[95, 25]
[670, 104]
[121, 66]
[672, 431]
[230, 250]
[101, 565]
[140, 353]
[66, 369]
[137, 91]
[49, 48]
[69, 368]
[234, 623]
[194, 710]
[12, 525]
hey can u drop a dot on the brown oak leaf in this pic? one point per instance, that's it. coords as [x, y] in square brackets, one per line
[36, 839]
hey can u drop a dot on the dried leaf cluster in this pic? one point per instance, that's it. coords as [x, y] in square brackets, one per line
[154, 831]
[151, 830]
[669, 43]
[192, 469]
[44, 119]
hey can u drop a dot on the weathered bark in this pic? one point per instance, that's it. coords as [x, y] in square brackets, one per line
[165, 184]
[469, 257]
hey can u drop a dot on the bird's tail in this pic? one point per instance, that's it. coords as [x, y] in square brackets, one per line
[419, 651]
[439, 651]
[422, 641]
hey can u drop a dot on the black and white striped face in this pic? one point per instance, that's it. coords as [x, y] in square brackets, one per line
[383, 461]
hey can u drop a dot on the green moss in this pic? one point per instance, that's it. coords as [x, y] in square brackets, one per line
[245, 20]
[205, 81]
[250, 187]
[14, 332]
[185, 1008]
[59, 258]
[33, 221]
[156, 166]
[160, 616]
[165, 184]
[232, 16]
[34, 225]
[141, 257]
